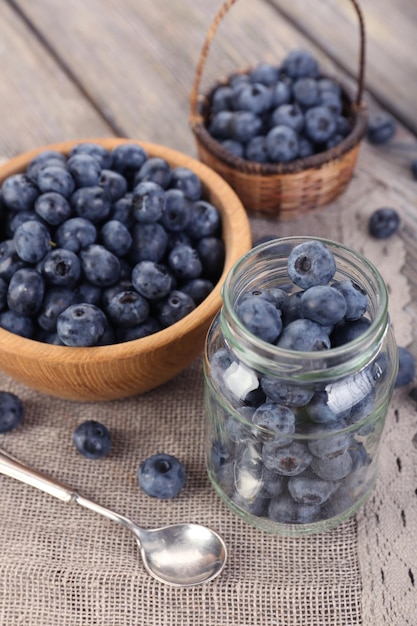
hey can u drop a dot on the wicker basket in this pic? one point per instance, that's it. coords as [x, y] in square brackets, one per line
[285, 190]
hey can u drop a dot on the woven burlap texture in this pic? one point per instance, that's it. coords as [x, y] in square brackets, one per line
[62, 565]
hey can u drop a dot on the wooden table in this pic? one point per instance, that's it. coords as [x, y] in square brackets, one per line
[95, 68]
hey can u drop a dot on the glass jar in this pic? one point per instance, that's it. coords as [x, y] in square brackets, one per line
[293, 436]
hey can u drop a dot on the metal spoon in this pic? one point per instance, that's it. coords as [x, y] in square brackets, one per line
[181, 555]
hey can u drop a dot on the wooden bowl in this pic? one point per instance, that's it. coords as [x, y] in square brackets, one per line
[133, 367]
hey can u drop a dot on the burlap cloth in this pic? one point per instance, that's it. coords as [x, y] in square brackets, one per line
[63, 565]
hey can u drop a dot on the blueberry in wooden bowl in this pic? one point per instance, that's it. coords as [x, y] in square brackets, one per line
[112, 257]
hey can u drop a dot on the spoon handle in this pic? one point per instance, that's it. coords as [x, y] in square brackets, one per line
[12, 467]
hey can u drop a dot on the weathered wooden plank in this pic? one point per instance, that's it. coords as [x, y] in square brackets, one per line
[38, 103]
[391, 38]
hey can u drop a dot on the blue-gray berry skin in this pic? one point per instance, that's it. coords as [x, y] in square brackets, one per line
[161, 476]
[10, 262]
[260, 317]
[347, 331]
[91, 203]
[54, 178]
[187, 181]
[277, 420]
[211, 251]
[304, 335]
[406, 367]
[144, 329]
[92, 439]
[333, 468]
[60, 267]
[265, 73]
[100, 266]
[81, 325]
[152, 280]
[184, 262]
[128, 308]
[148, 202]
[75, 233]
[320, 124]
[235, 147]
[284, 510]
[85, 170]
[26, 291]
[154, 169]
[176, 214]
[198, 289]
[254, 97]
[288, 115]
[174, 307]
[222, 98]
[12, 411]
[311, 263]
[323, 304]
[56, 300]
[383, 223]
[328, 440]
[289, 394]
[288, 460]
[22, 325]
[299, 63]
[256, 150]
[282, 144]
[381, 127]
[306, 91]
[116, 237]
[149, 243]
[281, 93]
[32, 241]
[310, 489]
[128, 158]
[244, 125]
[121, 210]
[53, 208]
[220, 124]
[19, 192]
[43, 158]
[320, 410]
[355, 297]
[95, 150]
[204, 220]
[114, 183]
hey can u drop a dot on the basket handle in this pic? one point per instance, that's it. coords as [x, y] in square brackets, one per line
[212, 31]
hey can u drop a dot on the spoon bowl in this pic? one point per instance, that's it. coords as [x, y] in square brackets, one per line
[180, 555]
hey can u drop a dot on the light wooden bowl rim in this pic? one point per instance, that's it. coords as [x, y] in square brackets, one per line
[16, 345]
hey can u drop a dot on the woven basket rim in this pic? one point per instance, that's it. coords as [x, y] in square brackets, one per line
[357, 115]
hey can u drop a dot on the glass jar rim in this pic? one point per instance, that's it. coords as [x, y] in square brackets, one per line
[333, 358]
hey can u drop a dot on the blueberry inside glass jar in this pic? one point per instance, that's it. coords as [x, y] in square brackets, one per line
[300, 367]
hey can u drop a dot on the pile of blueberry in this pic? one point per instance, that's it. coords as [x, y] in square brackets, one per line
[100, 246]
[277, 114]
[295, 452]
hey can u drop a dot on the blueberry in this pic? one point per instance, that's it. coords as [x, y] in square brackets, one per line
[285, 510]
[324, 410]
[100, 266]
[305, 148]
[152, 280]
[349, 331]
[328, 440]
[10, 262]
[277, 420]
[26, 291]
[161, 476]
[220, 125]
[12, 411]
[383, 223]
[56, 300]
[288, 115]
[95, 150]
[204, 220]
[128, 158]
[299, 63]
[288, 460]
[3, 294]
[355, 297]
[86, 292]
[176, 215]
[221, 99]
[406, 367]
[282, 144]
[281, 93]
[53, 208]
[343, 126]
[16, 218]
[310, 489]
[265, 73]
[304, 335]
[311, 263]
[198, 289]
[244, 125]
[211, 251]
[22, 325]
[144, 329]
[122, 210]
[114, 183]
[75, 233]
[85, 170]
[58, 179]
[288, 394]
[260, 317]
[42, 159]
[291, 307]
[256, 150]
[306, 91]
[235, 147]
[328, 84]
[174, 307]
[323, 304]
[254, 97]
[332, 101]
[333, 468]
[92, 439]
[128, 308]
[149, 243]
[187, 181]
[32, 241]
[116, 237]
[320, 124]
[92, 203]
[19, 192]
[148, 202]
[81, 325]
[381, 127]
[184, 261]
[61, 268]
[156, 170]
